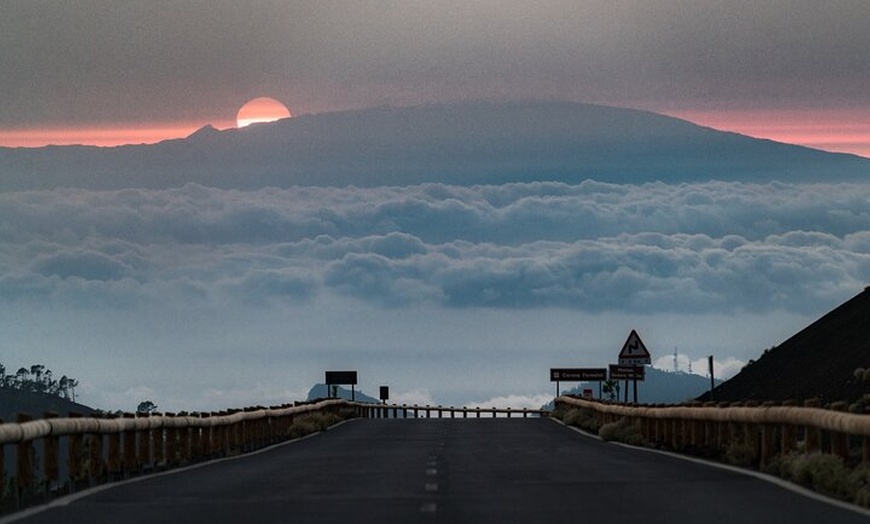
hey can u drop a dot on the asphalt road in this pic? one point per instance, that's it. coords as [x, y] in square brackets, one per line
[458, 471]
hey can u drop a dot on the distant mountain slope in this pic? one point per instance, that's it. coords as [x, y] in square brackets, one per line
[818, 362]
[459, 143]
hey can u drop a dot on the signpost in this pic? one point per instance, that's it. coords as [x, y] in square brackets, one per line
[558, 375]
[618, 372]
[385, 394]
[633, 353]
[343, 378]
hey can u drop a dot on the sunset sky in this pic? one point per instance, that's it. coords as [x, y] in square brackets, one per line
[103, 72]
[201, 296]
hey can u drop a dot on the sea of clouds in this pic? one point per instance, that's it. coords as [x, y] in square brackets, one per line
[362, 263]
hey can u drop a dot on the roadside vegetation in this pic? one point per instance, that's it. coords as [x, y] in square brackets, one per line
[824, 473]
[316, 422]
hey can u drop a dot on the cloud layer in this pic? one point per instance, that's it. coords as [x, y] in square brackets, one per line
[714, 247]
[206, 299]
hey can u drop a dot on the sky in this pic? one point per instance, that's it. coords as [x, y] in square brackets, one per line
[206, 299]
[105, 72]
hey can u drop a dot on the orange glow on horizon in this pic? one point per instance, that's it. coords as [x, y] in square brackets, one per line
[109, 136]
[837, 131]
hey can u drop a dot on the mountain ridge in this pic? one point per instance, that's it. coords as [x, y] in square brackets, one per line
[463, 143]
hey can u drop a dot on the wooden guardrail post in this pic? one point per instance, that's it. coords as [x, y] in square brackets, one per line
[143, 445]
[95, 456]
[724, 430]
[129, 462]
[812, 434]
[159, 437]
[236, 431]
[767, 446]
[219, 438]
[51, 454]
[113, 459]
[185, 441]
[171, 454]
[197, 441]
[788, 442]
[24, 461]
[75, 456]
[840, 441]
[710, 429]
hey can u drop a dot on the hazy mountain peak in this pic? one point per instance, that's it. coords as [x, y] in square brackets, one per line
[463, 143]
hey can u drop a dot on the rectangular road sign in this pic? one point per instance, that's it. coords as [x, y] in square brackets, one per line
[618, 372]
[342, 378]
[578, 374]
[385, 392]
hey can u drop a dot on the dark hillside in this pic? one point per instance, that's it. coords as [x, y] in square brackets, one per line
[460, 143]
[35, 404]
[818, 362]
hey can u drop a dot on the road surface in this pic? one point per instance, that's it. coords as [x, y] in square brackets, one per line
[454, 471]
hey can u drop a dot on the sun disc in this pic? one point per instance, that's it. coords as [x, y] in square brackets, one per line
[261, 110]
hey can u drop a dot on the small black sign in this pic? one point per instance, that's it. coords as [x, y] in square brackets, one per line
[341, 378]
[385, 392]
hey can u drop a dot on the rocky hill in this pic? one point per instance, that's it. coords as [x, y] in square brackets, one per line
[818, 362]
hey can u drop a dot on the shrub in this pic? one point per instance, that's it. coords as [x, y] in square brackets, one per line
[860, 479]
[581, 418]
[624, 430]
[821, 472]
[318, 421]
[741, 453]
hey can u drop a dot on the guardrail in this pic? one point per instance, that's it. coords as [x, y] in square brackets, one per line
[415, 411]
[768, 429]
[105, 448]
[101, 449]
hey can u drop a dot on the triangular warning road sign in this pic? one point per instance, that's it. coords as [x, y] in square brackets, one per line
[634, 351]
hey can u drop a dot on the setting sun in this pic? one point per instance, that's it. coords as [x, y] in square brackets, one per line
[261, 110]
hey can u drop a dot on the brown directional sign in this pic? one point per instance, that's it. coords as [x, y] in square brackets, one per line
[577, 374]
[341, 378]
[618, 372]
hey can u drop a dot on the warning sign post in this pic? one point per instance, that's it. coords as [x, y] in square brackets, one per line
[633, 355]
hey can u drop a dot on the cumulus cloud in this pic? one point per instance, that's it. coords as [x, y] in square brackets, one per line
[534, 401]
[592, 246]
